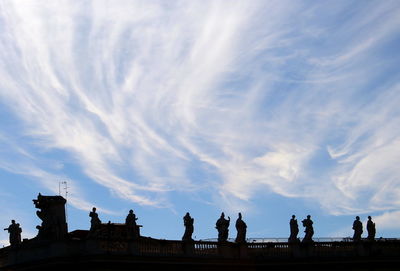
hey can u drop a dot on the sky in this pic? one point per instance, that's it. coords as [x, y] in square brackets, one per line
[268, 108]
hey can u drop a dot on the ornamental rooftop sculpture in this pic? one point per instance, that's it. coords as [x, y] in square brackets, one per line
[52, 214]
[54, 225]
[120, 245]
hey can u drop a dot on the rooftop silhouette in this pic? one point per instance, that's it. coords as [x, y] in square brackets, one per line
[121, 243]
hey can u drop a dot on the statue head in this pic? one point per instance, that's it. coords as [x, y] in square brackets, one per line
[94, 209]
[293, 216]
[369, 217]
[13, 221]
[222, 214]
[308, 216]
[240, 215]
[357, 218]
[131, 211]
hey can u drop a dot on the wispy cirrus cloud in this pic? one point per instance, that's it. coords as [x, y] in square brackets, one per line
[154, 98]
[24, 163]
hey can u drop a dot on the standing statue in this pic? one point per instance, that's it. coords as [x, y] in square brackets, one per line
[94, 221]
[15, 233]
[241, 228]
[222, 226]
[308, 224]
[131, 226]
[294, 230]
[371, 229]
[358, 229]
[188, 222]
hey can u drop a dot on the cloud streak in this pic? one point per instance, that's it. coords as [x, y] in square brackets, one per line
[154, 98]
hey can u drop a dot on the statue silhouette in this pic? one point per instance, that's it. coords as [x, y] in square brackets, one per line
[15, 233]
[294, 230]
[309, 230]
[358, 229]
[371, 229]
[131, 226]
[52, 213]
[222, 226]
[188, 222]
[241, 228]
[94, 221]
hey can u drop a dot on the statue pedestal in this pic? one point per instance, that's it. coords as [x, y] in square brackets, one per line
[188, 247]
[243, 250]
[228, 250]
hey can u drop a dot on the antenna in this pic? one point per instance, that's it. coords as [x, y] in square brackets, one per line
[65, 188]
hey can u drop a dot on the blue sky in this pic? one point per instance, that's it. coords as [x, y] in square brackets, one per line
[269, 108]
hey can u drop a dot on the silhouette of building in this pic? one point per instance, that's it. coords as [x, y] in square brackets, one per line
[111, 247]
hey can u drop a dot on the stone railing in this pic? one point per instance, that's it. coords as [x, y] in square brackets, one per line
[34, 250]
[149, 246]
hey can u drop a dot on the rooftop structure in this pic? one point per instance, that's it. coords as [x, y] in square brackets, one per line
[119, 246]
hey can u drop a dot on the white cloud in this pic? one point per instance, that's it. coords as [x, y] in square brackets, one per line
[388, 220]
[145, 95]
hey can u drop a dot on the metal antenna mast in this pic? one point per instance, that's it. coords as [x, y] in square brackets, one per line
[65, 188]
